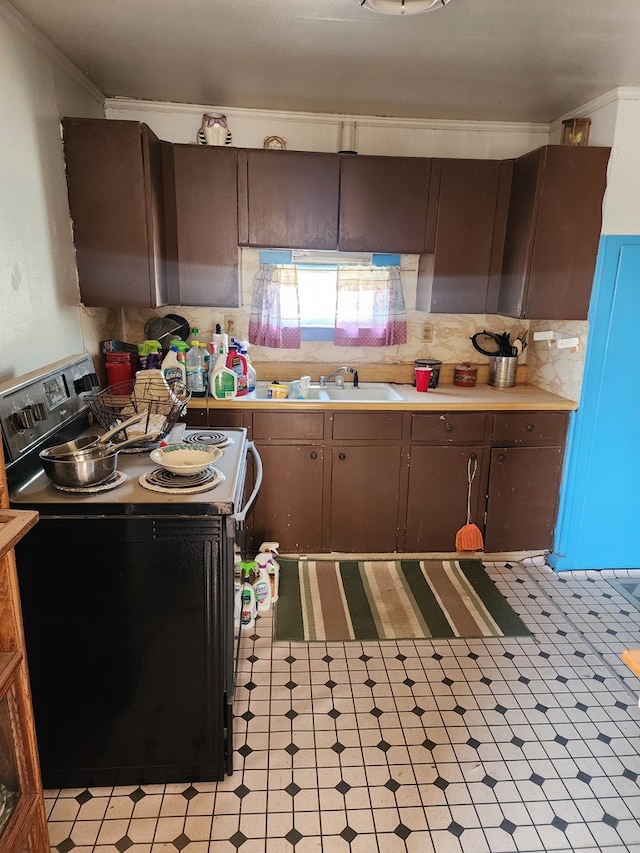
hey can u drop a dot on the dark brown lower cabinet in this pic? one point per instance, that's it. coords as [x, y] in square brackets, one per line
[365, 482]
[522, 498]
[212, 417]
[289, 506]
[196, 418]
[437, 504]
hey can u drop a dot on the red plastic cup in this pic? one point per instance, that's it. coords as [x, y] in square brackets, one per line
[423, 375]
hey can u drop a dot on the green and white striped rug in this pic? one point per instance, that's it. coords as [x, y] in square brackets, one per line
[331, 600]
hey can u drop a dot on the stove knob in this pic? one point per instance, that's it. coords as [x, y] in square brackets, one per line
[24, 419]
[85, 383]
[39, 411]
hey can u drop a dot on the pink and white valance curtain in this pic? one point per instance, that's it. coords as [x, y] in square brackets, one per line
[370, 310]
[275, 308]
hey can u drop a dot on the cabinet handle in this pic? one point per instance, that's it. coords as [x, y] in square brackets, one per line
[313, 455]
[342, 456]
[531, 427]
[448, 427]
[502, 458]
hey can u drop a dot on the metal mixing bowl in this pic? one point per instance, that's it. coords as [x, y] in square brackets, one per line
[74, 473]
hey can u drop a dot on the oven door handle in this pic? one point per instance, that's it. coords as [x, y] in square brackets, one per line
[240, 517]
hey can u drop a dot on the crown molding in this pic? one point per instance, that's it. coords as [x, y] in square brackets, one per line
[324, 118]
[614, 96]
[50, 50]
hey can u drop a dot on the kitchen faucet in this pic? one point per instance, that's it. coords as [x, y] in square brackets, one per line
[338, 379]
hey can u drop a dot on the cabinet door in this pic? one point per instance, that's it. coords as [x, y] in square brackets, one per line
[288, 199]
[383, 203]
[553, 230]
[522, 498]
[114, 180]
[288, 508]
[364, 498]
[462, 276]
[437, 505]
[202, 225]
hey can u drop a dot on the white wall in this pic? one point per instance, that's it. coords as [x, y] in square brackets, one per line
[40, 318]
[320, 132]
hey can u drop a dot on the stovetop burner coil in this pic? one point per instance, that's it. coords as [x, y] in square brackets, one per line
[115, 480]
[218, 439]
[160, 480]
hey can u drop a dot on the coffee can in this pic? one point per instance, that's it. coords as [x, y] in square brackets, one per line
[464, 375]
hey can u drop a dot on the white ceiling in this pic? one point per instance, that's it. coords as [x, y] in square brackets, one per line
[509, 60]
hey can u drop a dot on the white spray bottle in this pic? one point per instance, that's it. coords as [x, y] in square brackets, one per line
[262, 588]
[267, 557]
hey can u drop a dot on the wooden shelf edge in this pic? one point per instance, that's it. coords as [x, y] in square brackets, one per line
[13, 526]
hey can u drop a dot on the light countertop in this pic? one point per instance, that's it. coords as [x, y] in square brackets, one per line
[446, 397]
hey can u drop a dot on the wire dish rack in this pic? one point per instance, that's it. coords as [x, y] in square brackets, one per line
[162, 401]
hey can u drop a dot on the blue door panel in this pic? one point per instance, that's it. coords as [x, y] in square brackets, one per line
[600, 499]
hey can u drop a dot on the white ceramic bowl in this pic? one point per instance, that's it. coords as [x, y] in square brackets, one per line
[184, 459]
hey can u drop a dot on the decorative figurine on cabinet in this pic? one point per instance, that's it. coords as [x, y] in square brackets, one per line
[214, 130]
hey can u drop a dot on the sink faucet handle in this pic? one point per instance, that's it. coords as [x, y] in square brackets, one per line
[355, 376]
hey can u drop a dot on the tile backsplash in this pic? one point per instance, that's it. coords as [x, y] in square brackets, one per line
[558, 371]
[451, 332]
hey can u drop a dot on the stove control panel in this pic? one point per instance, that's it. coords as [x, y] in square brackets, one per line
[40, 403]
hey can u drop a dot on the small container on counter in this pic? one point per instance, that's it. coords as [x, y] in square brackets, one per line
[120, 367]
[464, 375]
[502, 371]
[434, 364]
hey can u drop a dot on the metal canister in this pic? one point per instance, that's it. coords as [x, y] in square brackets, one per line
[464, 375]
[435, 365]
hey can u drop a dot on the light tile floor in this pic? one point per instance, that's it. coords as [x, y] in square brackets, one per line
[522, 744]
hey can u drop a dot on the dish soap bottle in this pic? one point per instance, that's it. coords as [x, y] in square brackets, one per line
[252, 376]
[173, 369]
[223, 383]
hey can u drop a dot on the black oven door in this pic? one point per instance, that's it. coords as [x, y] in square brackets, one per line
[127, 632]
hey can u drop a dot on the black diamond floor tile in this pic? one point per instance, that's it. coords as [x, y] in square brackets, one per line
[405, 744]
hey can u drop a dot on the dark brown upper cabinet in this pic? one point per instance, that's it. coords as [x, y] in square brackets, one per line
[288, 199]
[201, 205]
[115, 185]
[462, 274]
[553, 231]
[384, 203]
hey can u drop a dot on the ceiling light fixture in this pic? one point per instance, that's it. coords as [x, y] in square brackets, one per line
[402, 7]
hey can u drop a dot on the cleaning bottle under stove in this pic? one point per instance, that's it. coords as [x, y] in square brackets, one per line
[248, 603]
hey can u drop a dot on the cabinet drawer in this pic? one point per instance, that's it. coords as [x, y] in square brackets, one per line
[458, 427]
[221, 418]
[530, 428]
[288, 425]
[196, 417]
[367, 425]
